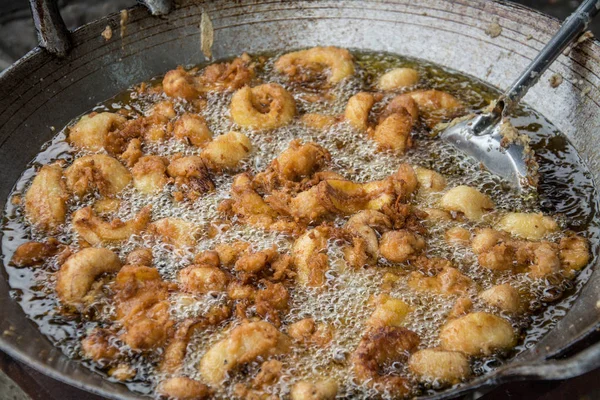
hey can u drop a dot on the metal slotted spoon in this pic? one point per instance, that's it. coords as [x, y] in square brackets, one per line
[480, 136]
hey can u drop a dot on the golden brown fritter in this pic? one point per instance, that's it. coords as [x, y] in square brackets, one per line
[477, 333]
[177, 232]
[140, 256]
[343, 197]
[271, 301]
[95, 230]
[389, 311]
[436, 106]
[180, 83]
[183, 388]
[79, 272]
[46, 199]
[229, 253]
[308, 332]
[303, 65]
[226, 151]
[191, 176]
[381, 347]
[393, 126]
[449, 281]
[192, 129]
[294, 166]
[219, 77]
[227, 76]
[97, 173]
[142, 307]
[252, 208]
[398, 78]
[91, 131]
[366, 225]
[264, 107]
[150, 174]
[176, 348]
[400, 246]
[97, 346]
[505, 297]
[447, 367]
[243, 344]
[35, 253]
[574, 253]
[314, 390]
[309, 257]
[498, 251]
[200, 279]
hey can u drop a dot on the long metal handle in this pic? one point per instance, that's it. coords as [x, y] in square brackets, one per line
[570, 30]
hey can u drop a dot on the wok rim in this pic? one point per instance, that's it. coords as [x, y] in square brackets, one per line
[484, 382]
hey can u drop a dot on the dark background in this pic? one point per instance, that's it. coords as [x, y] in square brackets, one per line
[17, 37]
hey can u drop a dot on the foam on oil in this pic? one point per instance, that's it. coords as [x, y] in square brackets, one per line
[343, 305]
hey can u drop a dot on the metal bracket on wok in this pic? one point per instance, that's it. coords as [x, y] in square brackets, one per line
[53, 34]
[51, 29]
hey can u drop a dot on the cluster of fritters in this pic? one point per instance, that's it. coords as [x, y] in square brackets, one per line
[297, 194]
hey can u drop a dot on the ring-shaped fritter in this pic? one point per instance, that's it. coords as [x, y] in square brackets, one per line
[338, 61]
[263, 107]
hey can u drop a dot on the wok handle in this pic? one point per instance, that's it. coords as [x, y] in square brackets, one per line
[52, 32]
[585, 361]
[570, 30]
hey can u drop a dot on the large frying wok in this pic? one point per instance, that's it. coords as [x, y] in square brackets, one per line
[42, 91]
